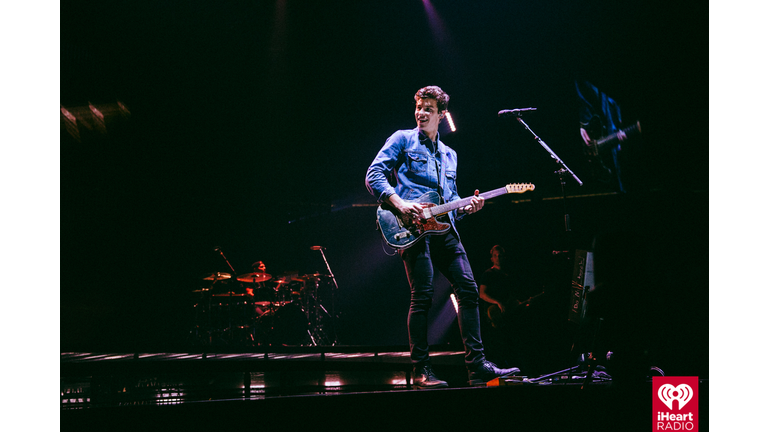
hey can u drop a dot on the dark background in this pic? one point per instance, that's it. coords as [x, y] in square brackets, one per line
[252, 125]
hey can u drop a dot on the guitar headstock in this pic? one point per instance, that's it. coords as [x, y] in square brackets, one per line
[520, 187]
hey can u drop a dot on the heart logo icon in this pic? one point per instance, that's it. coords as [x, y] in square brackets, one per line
[682, 393]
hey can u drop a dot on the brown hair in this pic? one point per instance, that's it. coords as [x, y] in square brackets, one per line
[434, 92]
[498, 248]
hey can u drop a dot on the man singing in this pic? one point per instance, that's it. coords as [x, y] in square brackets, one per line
[418, 162]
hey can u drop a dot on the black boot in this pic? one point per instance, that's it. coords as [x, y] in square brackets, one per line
[424, 377]
[487, 371]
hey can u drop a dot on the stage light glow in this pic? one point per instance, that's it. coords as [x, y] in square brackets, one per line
[451, 124]
[455, 303]
[437, 25]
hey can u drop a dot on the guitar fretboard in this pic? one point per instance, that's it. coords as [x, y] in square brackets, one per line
[447, 207]
[631, 130]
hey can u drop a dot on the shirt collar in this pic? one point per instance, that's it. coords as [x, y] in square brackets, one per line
[423, 138]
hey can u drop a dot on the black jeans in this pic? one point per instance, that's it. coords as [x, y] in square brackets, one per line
[446, 254]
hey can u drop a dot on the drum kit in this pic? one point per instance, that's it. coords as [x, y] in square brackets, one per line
[257, 309]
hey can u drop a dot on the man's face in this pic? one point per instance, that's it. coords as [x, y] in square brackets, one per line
[427, 116]
[497, 258]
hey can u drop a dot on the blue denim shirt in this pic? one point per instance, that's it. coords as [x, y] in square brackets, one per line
[407, 160]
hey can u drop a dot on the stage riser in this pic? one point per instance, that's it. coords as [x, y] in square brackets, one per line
[512, 408]
[88, 392]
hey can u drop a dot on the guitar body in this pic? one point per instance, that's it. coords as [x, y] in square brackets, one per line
[495, 316]
[498, 318]
[401, 232]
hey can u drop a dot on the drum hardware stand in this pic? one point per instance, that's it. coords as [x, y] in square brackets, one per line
[313, 305]
[206, 304]
[333, 316]
[218, 249]
[229, 303]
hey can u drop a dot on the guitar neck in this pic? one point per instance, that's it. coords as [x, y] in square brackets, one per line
[453, 205]
[631, 130]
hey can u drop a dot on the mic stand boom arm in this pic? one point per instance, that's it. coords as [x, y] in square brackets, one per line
[551, 153]
[563, 169]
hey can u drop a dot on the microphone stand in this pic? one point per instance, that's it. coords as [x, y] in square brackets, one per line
[333, 296]
[561, 172]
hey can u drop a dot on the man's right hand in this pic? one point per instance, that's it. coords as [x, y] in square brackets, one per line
[413, 210]
[410, 209]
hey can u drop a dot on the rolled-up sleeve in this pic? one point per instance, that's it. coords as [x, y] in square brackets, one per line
[377, 179]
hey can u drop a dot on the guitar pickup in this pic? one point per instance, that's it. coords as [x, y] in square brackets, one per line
[402, 235]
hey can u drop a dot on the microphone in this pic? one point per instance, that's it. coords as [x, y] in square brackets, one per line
[316, 248]
[514, 112]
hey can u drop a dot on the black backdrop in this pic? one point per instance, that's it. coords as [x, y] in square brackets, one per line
[252, 126]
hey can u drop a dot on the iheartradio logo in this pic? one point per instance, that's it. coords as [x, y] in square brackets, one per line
[671, 416]
[669, 393]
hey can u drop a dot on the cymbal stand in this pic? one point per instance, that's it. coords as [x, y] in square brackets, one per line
[316, 314]
[229, 305]
[312, 301]
[218, 249]
[332, 315]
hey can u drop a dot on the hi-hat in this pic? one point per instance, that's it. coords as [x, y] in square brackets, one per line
[216, 276]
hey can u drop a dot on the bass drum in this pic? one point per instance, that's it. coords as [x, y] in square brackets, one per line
[284, 326]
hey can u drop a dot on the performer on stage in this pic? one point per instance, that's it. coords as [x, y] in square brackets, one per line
[260, 291]
[496, 284]
[599, 116]
[417, 162]
[506, 295]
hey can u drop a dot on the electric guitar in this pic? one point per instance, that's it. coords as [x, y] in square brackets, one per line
[596, 145]
[496, 316]
[402, 231]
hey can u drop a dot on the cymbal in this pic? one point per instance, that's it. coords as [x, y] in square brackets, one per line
[216, 276]
[229, 294]
[289, 275]
[286, 280]
[254, 277]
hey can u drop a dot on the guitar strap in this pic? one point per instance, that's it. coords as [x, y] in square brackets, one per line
[439, 180]
[438, 154]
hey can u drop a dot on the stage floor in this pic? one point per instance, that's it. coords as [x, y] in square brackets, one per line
[337, 388]
[122, 379]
